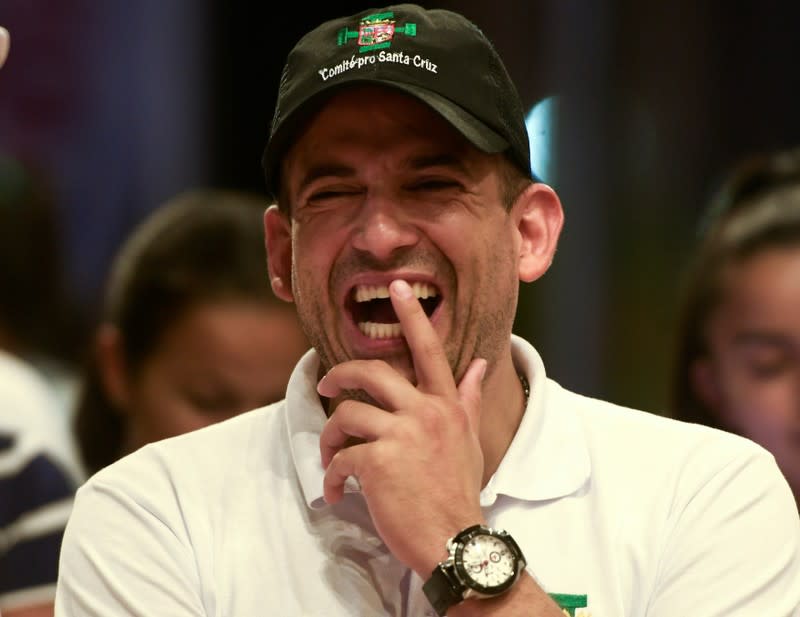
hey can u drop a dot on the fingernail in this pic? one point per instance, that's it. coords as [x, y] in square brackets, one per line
[483, 369]
[402, 289]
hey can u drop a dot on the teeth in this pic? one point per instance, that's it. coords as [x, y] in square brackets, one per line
[423, 290]
[380, 330]
[365, 293]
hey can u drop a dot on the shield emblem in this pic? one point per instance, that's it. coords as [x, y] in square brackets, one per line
[375, 33]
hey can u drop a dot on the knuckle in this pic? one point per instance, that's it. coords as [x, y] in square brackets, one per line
[343, 409]
[382, 459]
[339, 463]
[432, 419]
[402, 432]
[375, 367]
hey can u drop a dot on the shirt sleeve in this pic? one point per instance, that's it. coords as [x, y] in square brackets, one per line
[121, 558]
[35, 501]
[734, 548]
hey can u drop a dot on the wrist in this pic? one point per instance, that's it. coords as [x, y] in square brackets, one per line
[524, 599]
[481, 563]
[439, 551]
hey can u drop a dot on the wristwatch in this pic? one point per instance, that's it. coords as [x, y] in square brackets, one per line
[482, 563]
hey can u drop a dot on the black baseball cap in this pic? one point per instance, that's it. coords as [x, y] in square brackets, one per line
[437, 56]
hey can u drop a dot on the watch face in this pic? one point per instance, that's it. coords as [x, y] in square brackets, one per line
[486, 563]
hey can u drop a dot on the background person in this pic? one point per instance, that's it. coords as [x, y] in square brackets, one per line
[39, 320]
[38, 478]
[38, 470]
[191, 332]
[737, 363]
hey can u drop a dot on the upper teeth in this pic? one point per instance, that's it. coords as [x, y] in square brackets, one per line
[365, 293]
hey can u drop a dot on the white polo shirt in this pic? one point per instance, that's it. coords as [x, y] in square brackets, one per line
[619, 513]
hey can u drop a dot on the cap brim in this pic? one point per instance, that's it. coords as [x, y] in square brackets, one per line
[476, 132]
[480, 135]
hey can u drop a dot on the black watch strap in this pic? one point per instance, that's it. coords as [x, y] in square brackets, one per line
[443, 589]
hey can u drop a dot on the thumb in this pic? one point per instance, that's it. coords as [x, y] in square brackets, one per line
[469, 390]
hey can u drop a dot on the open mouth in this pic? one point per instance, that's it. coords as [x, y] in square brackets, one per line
[372, 309]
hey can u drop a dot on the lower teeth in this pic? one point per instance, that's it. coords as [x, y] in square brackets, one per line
[380, 330]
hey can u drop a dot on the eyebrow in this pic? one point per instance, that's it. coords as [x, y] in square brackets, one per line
[759, 337]
[323, 170]
[445, 159]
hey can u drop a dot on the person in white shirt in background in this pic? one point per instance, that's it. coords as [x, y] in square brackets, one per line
[38, 476]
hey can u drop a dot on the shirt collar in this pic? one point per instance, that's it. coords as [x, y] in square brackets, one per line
[548, 457]
[305, 419]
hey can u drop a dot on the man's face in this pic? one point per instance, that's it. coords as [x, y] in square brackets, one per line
[382, 188]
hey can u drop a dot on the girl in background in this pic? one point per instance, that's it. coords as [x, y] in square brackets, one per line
[191, 332]
[738, 355]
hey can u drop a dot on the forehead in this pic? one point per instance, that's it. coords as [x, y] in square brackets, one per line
[774, 271]
[383, 119]
[764, 289]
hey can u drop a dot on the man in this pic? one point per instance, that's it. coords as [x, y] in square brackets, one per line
[422, 462]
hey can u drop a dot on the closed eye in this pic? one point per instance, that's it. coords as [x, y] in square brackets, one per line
[327, 195]
[770, 365]
[331, 194]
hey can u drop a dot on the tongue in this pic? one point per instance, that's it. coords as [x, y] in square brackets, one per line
[381, 311]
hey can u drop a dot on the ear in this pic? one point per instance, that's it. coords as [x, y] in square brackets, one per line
[704, 383]
[538, 217]
[278, 237]
[110, 361]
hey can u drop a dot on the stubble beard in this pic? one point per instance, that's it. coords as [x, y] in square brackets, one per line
[493, 311]
[491, 324]
[312, 308]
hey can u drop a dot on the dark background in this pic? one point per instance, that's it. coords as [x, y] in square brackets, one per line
[125, 104]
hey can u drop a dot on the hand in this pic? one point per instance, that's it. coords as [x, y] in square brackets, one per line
[419, 459]
[5, 42]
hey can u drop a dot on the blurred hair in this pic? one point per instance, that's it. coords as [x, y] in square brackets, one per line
[201, 247]
[38, 318]
[756, 208]
[512, 181]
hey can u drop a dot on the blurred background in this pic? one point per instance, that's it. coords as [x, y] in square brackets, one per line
[637, 109]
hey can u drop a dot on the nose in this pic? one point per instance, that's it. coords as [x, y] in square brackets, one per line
[383, 228]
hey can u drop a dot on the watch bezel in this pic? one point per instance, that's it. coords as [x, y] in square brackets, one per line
[463, 538]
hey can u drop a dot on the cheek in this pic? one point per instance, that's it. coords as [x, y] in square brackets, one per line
[158, 411]
[760, 410]
[313, 254]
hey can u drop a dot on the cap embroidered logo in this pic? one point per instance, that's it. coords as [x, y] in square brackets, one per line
[375, 32]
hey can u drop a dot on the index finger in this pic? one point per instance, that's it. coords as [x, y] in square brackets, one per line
[434, 374]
